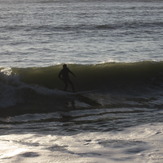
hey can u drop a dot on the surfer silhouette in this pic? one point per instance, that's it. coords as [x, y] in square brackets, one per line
[64, 76]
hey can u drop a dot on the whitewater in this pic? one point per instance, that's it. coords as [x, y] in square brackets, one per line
[115, 50]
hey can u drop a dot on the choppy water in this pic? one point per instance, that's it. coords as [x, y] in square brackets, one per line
[42, 33]
[115, 50]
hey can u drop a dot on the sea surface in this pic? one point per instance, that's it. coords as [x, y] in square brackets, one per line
[115, 49]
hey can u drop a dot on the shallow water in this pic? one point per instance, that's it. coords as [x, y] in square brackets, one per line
[134, 144]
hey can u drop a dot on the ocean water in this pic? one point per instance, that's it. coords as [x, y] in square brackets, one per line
[43, 33]
[115, 49]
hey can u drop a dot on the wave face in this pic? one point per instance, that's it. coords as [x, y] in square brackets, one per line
[39, 86]
[98, 76]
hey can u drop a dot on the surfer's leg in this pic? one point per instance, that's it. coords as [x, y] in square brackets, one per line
[72, 85]
[66, 85]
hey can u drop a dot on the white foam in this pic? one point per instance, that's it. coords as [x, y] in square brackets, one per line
[6, 71]
[137, 144]
[10, 86]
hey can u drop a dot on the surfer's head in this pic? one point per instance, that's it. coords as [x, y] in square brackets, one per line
[64, 66]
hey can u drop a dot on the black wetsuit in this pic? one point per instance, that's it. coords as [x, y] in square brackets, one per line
[64, 75]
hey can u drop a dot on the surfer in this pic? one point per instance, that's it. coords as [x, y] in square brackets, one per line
[64, 76]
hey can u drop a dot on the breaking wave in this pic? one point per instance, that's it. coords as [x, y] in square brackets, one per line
[35, 86]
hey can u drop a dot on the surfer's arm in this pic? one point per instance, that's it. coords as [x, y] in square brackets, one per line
[72, 73]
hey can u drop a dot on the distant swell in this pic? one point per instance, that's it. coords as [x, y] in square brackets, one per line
[113, 26]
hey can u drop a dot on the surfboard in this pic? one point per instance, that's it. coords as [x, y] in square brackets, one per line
[76, 92]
